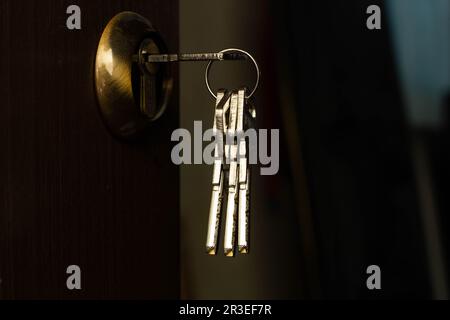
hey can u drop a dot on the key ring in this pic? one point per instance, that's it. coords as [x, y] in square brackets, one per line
[208, 67]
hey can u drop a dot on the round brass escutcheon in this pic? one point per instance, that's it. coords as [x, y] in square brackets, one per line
[121, 76]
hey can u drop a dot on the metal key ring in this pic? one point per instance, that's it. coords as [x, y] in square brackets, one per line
[208, 67]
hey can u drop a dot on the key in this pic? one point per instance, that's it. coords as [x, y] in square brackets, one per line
[231, 158]
[215, 56]
[244, 176]
[222, 105]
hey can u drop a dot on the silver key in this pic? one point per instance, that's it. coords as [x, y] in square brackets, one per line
[231, 149]
[244, 177]
[222, 105]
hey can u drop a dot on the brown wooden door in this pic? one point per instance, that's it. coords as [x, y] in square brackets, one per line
[70, 193]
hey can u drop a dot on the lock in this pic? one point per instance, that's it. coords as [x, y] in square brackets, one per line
[131, 91]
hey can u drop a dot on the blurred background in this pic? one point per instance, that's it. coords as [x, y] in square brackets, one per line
[364, 148]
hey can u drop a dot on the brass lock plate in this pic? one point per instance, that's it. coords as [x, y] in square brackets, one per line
[130, 94]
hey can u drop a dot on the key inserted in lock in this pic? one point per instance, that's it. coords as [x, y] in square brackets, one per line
[133, 73]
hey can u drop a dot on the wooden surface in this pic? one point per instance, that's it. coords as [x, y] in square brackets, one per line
[69, 192]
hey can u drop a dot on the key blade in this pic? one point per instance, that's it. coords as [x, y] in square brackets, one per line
[244, 216]
[214, 218]
[244, 178]
[231, 149]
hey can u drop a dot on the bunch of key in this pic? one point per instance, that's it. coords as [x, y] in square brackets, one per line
[231, 173]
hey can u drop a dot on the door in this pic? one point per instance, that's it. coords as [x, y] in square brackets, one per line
[71, 193]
